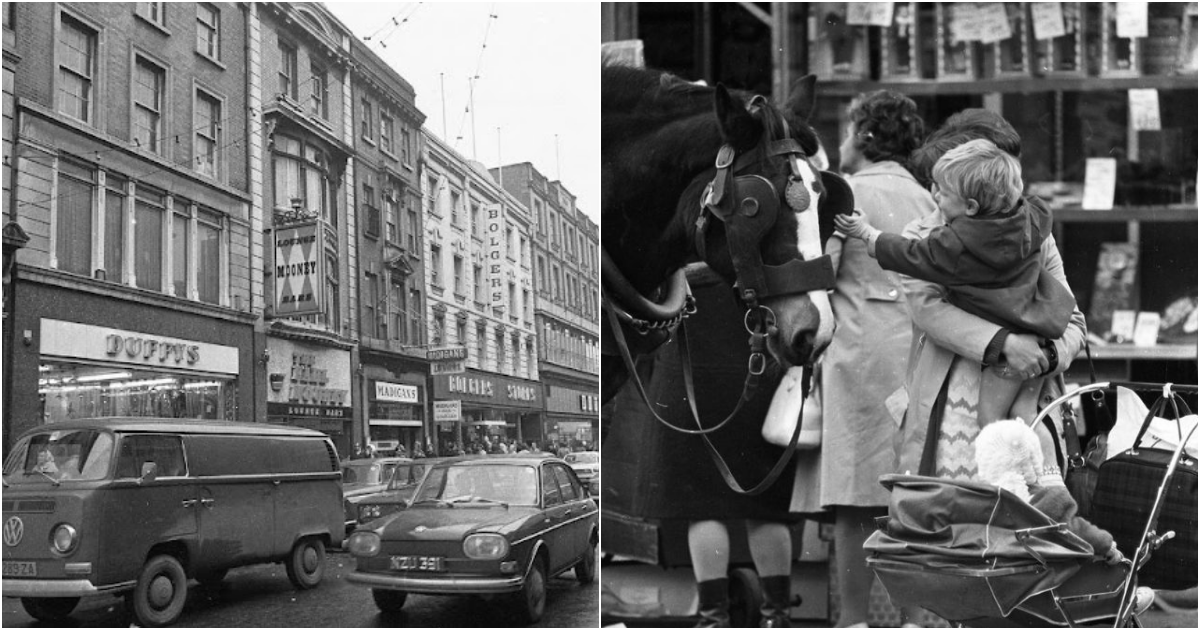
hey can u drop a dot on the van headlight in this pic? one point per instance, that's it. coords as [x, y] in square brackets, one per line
[63, 539]
[485, 546]
[364, 544]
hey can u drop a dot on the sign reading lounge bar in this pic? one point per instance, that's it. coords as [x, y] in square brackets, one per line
[308, 411]
[299, 276]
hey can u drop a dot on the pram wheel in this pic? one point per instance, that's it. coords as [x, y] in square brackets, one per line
[745, 598]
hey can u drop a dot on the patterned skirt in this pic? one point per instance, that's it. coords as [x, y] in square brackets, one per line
[960, 422]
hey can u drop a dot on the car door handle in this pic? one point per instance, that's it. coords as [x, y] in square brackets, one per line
[567, 512]
[187, 503]
[208, 503]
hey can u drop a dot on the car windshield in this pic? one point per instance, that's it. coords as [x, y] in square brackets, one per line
[582, 458]
[407, 476]
[83, 454]
[367, 472]
[468, 483]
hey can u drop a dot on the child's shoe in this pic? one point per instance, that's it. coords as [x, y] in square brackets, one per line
[1143, 598]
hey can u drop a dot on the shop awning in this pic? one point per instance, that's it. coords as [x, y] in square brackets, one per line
[395, 423]
[487, 423]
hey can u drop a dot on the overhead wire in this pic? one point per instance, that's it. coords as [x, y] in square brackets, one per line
[492, 15]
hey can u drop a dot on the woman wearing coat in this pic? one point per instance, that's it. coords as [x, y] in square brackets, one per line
[867, 359]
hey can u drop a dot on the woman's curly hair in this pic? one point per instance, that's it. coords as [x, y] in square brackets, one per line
[887, 124]
[969, 124]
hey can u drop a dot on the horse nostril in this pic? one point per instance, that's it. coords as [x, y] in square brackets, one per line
[803, 344]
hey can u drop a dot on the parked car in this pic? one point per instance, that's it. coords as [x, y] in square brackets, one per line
[361, 477]
[490, 526]
[395, 496]
[586, 465]
[137, 506]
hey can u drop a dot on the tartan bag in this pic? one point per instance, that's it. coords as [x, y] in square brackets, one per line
[1124, 498]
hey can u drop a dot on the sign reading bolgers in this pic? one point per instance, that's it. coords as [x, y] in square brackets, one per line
[299, 270]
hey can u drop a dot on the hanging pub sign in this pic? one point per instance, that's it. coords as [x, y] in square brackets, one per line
[299, 270]
[838, 49]
[1059, 30]
[1011, 56]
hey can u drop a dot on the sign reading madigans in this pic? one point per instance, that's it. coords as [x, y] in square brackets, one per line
[395, 392]
[299, 269]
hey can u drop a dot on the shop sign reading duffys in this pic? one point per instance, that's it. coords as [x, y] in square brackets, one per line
[113, 345]
[497, 390]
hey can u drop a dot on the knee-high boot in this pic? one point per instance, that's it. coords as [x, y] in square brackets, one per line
[777, 604]
[714, 603]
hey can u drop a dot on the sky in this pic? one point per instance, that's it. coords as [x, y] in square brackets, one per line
[538, 78]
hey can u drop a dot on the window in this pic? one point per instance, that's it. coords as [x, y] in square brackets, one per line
[149, 219]
[480, 343]
[516, 353]
[164, 451]
[73, 234]
[477, 278]
[370, 304]
[320, 92]
[416, 321]
[541, 273]
[455, 203]
[301, 172]
[332, 313]
[499, 350]
[180, 251]
[458, 275]
[551, 494]
[410, 229]
[460, 331]
[149, 81]
[476, 226]
[435, 264]
[365, 123]
[116, 192]
[399, 312]
[405, 145]
[208, 30]
[528, 304]
[372, 223]
[209, 234]
[570, 487]
[154, 11]
[288, 70]
[208, 134]
[512, 300]
[439, 328]
[76, 68]
[386, 131]
[392, 210]
[524, 252]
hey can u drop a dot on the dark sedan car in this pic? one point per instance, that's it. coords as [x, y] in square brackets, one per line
[491, 526]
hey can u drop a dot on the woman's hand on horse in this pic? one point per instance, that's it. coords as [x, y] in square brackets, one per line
[1024, 355]
[854, 225]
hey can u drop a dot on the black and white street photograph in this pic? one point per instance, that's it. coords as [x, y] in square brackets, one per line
[301, 314]
[899, 314]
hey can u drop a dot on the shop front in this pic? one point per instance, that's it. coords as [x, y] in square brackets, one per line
[491, 407]
[572, 417]
[395, 418]
[309, 386]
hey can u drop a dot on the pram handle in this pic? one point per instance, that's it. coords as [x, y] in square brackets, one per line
[1095, 387]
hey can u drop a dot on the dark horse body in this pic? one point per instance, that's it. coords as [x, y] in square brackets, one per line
[660, 137]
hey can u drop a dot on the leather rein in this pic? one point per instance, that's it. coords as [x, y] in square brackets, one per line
[746, 222]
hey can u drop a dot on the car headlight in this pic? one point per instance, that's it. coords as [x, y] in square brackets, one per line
[485, 546]
[364, 544]
[63, 538]
[368, 512]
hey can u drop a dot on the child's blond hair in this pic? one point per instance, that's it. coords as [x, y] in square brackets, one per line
[981, 171]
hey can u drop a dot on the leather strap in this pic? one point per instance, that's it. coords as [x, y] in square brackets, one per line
[1074, 456]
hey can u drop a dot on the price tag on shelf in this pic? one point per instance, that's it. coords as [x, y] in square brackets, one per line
[1132, 20]
[1122, 325]
[1143, 110]
[869, 13]
[1099, 183]
[1047, 20]
[1145, 332]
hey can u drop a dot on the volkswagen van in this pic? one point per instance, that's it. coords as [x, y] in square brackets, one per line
[140, 506]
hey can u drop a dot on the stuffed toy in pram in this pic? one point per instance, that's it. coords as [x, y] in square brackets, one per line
[1008, 454]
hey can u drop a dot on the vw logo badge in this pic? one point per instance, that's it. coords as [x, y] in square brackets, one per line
[14, 531]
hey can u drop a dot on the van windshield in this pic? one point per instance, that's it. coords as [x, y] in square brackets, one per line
[82, 454]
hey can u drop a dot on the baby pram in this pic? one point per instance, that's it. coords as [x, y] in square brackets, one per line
[977, 555]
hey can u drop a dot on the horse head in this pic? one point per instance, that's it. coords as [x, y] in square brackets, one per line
[762, 219]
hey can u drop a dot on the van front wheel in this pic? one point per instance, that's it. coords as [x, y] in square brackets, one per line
[160, 593]
[49, 608]
[306, 563]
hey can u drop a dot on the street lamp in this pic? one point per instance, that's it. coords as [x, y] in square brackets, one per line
[14, 238]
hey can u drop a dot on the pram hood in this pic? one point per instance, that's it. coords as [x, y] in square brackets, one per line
[952, 547]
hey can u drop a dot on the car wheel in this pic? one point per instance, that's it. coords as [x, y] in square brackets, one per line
[306, 564]
[531, 601]
[585, 570]
[745, 598]
[389, 601]
[160, 593]
[49, 608]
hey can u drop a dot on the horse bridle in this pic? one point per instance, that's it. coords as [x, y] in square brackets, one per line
[748, 206]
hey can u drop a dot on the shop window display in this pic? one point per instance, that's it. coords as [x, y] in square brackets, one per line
[75, 391]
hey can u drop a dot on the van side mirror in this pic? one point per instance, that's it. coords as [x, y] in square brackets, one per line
[149, 472]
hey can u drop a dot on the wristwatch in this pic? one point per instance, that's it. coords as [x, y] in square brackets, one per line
[1047, 346]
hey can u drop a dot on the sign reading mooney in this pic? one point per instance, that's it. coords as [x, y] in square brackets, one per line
[298, 269]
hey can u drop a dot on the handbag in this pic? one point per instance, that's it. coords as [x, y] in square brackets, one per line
[1126, 487]
[787, 406]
